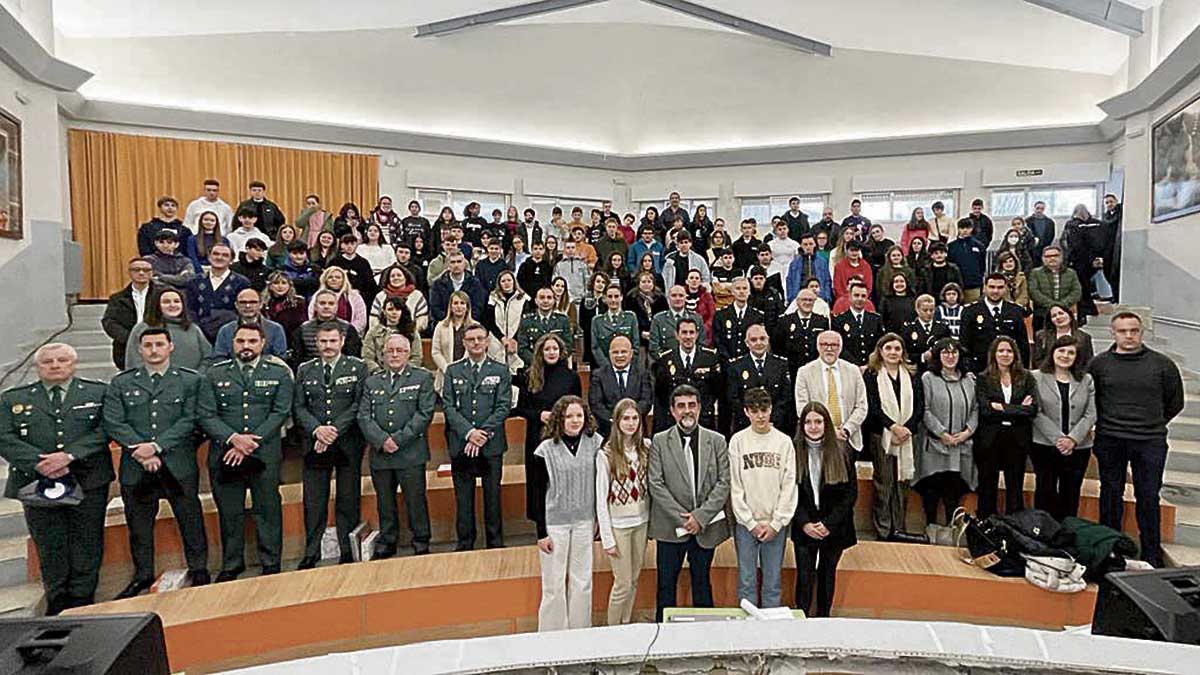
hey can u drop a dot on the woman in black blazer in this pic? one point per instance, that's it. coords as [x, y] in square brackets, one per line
[1007, 396]
[823, 527]
[893, 433]
[544, 381]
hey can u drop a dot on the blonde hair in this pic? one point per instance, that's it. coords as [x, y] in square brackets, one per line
[615, 447]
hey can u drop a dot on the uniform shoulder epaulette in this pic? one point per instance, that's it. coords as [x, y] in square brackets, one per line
[224, 362]
[278, 362]
[665, 352]
[89, 380]
[710, 350]
[353, 359]
[123, 372]
[305, 363]
[188, 370]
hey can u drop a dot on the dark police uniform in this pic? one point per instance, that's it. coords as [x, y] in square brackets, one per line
[978, 328]
[795, 338]
[664, 326]
[705, 374]
[477, 397]
[328, 396]
[142, 407]
[858, 337]
[258, 402]
[534, 326]
[774, 376]
[69, 539]
[919, 338]
[729, 331]
[399, 406]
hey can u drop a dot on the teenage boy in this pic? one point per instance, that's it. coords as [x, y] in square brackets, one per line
[762, 482]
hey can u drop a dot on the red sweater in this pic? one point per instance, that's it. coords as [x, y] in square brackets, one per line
[844, 271]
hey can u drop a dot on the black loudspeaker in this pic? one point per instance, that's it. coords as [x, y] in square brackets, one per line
[111, 644]
[1161, 605]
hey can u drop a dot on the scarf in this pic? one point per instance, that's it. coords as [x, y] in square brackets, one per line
[383, 218]
[899, 412]
[402, 292]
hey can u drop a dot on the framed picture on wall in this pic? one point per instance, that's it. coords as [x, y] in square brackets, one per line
[10, 177]
[1176, 164]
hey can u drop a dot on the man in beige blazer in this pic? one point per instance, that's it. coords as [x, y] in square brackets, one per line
[849, 408]
[689, 486]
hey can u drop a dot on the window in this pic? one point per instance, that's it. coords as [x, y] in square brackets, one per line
[897, 207]
[432, 202]
[543, 206]
[1060, 200]
[762, 209]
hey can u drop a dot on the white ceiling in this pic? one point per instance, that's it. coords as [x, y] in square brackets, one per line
[1012, 32]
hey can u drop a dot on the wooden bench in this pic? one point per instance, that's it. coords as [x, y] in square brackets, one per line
[459, 595]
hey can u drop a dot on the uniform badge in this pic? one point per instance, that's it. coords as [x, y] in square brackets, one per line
[847, 328]
[979, 319]
[17, 409]
[915, 336]
[672, 368]
[729, 323]
[792, 328]
[745, 374]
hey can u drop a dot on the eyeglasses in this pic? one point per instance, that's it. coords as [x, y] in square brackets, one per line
[143, 270]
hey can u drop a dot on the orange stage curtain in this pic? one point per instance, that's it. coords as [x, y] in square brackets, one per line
[116, 179]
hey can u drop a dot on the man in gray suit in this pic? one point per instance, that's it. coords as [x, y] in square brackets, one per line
[838, 384]
[689, 485]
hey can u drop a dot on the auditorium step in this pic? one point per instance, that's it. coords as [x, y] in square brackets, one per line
[23, 601]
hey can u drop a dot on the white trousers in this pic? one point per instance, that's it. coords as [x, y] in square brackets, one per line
[567, 578]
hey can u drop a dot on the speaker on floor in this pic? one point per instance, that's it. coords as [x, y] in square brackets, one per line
[1161, 605]
[110, 644]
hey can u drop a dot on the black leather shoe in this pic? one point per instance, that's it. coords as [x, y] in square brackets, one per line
[463, 547]
[135, 588]
[230, 575]
[383, 552]
[421, 549]
[906, 538]
[268, 570]
[199, 578]
[307, 564]
[345, 558]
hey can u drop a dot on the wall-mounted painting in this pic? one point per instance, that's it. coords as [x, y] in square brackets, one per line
[1176, 189]
[10, 177]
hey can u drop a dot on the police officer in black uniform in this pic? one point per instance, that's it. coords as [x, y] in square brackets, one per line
[759, 368]
[796, 333]
[988, 318]
[326, 409]
[730, 323]
[860, 329]
[691, 364]
[922, 332]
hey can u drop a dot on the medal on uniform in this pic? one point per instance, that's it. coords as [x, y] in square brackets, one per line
[728, 323]
[17, 408]
[979, 319]
[915, 337]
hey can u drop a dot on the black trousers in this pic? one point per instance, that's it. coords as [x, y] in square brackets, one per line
[1148, 459]
[1006, 453]
[944, 488]
[347, 506]
[669, 558]
[411, 481]
[464, 471]
[816, 571]
[141, 512]
[70, 545]
[1059, 479]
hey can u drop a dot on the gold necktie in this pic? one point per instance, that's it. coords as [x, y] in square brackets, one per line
[832, 401]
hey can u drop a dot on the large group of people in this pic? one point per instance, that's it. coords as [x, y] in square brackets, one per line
[732, 385]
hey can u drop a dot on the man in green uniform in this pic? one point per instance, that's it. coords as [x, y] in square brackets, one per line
[477, 397]
[326, 409]
[243, 404]
[151, 412]
[541, 321]
[52, 432]
[616, 321]
[664, 324]
[394, 414]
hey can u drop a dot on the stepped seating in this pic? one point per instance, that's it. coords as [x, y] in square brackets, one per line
[456, 595]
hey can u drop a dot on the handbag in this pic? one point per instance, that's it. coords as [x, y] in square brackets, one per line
[989, 546]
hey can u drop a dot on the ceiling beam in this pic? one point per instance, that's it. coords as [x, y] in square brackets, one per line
[807, 45]
[1111, 14]
[440, 28]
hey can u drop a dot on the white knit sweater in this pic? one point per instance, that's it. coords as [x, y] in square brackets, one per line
[762, 473]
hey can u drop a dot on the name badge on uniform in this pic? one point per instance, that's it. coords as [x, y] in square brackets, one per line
[266, 383]
[348, 379]
[85, 406]
[701, 371]
[409, 387]
[490, 379]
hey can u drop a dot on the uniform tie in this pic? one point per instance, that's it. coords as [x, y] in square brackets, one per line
[687, 362]
[832, 400]
[155, 379]
[328, 374]
[247, 371]
[996, 313]
[758, 365]
[56, 397]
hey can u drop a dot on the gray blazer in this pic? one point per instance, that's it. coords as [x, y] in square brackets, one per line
[670, 483]
[1047, 426]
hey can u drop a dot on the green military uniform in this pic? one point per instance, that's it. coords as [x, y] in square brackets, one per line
[234, 401]
[534, 326]
[141, 407]
[328, 396]
[399, 406]
[605, 327]
[69, 539]
[477, 396]
[662, 331]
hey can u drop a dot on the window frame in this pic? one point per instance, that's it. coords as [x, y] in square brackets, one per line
[463, 197]
[772, 203]
[1045, 193]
